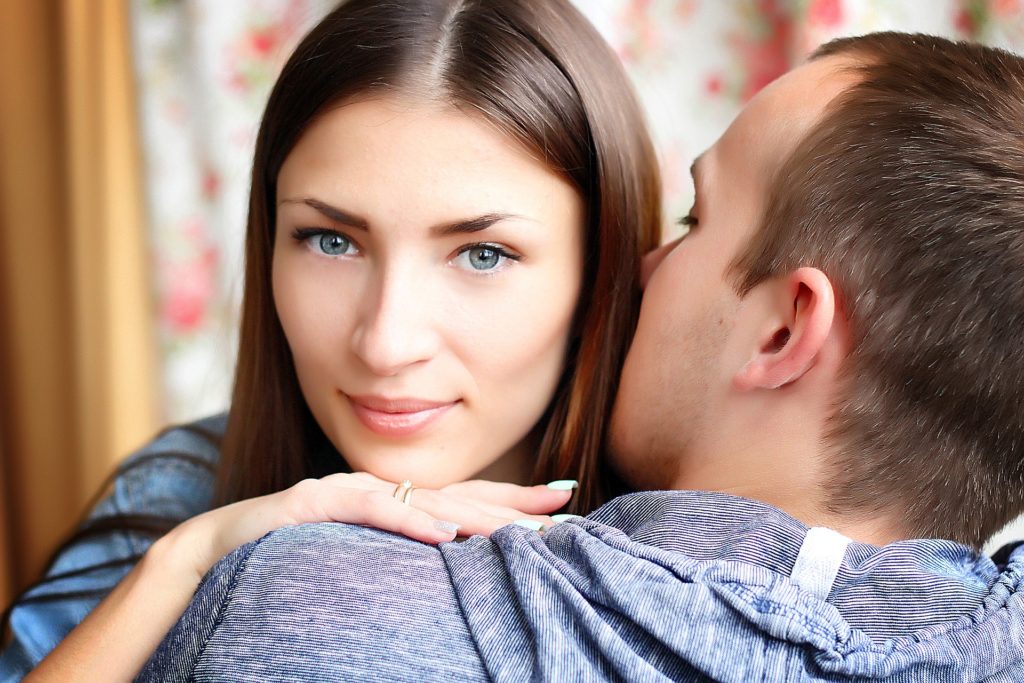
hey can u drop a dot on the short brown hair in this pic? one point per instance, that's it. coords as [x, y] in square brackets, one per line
[909, 195]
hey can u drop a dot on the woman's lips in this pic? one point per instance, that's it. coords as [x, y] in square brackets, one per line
[398, 416]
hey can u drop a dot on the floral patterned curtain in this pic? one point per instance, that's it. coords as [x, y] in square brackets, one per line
[205, 68]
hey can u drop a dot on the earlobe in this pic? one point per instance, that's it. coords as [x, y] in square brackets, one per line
[806, 311]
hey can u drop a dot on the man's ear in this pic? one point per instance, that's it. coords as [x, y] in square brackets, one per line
[802, 321]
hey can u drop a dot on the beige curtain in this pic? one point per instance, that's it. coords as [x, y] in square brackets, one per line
[77, 354]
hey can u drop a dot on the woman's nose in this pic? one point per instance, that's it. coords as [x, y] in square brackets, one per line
[396, 326]
[651, 260]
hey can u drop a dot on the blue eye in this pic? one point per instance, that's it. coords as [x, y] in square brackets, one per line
[326, 242]
[483, 257]
[333, 244]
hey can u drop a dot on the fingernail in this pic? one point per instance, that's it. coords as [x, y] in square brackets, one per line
[449, 527]
[564, 518]
[530, 524]
[564, 485]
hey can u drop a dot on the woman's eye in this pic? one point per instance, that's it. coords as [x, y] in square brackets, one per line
[326, 242]
[483, 257]
[334, 244]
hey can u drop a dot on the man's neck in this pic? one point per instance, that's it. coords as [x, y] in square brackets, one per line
[876, 530]
[786, 466]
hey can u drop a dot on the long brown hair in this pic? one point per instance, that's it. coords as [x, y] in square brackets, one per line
[539, 72]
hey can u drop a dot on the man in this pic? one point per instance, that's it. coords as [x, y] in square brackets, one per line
[831, 353]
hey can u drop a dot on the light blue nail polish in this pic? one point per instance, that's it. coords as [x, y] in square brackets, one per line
[530, 524]
[449, 527]
[564, 485]
[564, 518]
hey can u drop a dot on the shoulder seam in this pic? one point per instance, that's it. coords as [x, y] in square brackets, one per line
[462, 613]
[228, 595]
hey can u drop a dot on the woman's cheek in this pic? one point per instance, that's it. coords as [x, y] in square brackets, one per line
[521, 340]
[315, 307]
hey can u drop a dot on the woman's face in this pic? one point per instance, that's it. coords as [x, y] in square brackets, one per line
[426, 271]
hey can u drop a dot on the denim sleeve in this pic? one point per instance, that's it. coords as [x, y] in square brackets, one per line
[170, 478]
[323, 602]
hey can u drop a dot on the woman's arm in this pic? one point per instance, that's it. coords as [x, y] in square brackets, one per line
[110, 641]
[115, 640]
[168, 480]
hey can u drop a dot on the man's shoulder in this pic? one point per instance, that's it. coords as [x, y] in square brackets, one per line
[326, 562]
[359, 554]
[360, 601]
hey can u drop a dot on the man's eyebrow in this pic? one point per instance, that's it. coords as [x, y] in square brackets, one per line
[695, 168]
[334, 213]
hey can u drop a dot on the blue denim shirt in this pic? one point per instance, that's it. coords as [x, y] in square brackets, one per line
[172, 478]
[655, 586]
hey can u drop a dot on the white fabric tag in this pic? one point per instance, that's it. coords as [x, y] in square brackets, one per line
[819, 560]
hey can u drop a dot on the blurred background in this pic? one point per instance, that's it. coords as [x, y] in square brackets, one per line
[126, 132]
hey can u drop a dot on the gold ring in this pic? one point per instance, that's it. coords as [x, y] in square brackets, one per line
[403, 491]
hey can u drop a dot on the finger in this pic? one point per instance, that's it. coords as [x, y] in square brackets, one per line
[485, 525]
[531, 499]
[473, 517]
[503, 512]
[514, 515]
[325, 503]
[384, 512]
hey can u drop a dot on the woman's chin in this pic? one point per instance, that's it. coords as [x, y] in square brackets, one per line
[425, 465]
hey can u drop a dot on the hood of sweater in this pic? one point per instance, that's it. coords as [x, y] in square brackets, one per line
[687, 585]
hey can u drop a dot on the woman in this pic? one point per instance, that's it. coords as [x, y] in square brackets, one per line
[449, 200]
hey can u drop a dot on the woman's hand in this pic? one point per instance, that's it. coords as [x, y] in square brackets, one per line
[478, 507]
[432, 516]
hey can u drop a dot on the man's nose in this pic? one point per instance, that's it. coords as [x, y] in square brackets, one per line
[395, 326]
[651, 260]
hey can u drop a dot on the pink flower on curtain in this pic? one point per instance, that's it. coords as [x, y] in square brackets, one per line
[714, 84]
[685, 9]
[184, 306]
[999, 22]
[643, 36]
[210, 183]
[263, 41]
[971, 18]
[763, 48]
[254, 58]
[189, 285]
[825, 13]
[1005, 9]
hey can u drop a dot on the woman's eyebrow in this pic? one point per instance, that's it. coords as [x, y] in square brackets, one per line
[474, 224]
[465, 226]
[334, 213]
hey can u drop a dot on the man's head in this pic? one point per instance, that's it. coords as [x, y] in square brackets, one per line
[840, 332]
